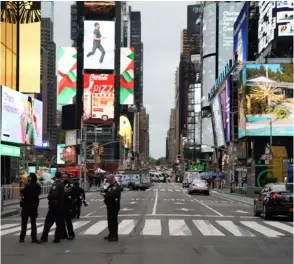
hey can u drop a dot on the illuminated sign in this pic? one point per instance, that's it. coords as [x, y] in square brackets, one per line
[10, 151]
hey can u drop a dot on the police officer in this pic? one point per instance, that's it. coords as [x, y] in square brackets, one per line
[68, 203]
[30, 203]
[112, 201]
[78, 198]
[55, 212]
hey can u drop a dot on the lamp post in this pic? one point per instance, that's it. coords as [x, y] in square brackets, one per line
[271, 134]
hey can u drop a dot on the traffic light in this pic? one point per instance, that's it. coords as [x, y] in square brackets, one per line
[101, 150]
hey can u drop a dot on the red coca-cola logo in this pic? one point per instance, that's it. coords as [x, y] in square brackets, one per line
[99, 77]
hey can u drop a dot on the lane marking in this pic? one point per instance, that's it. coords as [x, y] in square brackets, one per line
[76, 225]
[162, 190]
[262, 229]
[95, 211]
[152, 227]
[208, 207]
[235, 229]
[7, 226]
[280, 226]
[126, 226]
[178, 228]
[206, 228]
[15, 229]
[232, 199]
[96, 228]
[155, 204]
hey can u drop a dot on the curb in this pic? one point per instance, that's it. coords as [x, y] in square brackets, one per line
[234, 198]
[17, 202]
[10, 213]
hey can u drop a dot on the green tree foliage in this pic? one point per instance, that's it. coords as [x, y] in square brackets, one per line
[161, 161]
[152, 161]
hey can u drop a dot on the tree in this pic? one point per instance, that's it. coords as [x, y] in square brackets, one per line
[161, 161]
[152, 161]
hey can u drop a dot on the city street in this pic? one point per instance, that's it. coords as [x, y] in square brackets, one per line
[160, 225]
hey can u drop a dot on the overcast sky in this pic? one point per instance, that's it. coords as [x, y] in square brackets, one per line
[161, 32]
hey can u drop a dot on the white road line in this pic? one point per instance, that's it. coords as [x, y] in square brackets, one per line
[191, 215]
[218, 213]
[162, 190]
[95, 211]
[13, 230]
[235, 229]
[280, 226]
[39, 229]
[231, 199]
[96, 228]
[155, 204]
[177, 190]
[178, 228]
[206, 228]
[76, 225]
[262, 229]
[152, 227]
[170, 190]
[126, 226]
[7, 226]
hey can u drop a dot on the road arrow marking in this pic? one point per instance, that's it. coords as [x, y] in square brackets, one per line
[185, 209]
[126, 209]
[240, 211]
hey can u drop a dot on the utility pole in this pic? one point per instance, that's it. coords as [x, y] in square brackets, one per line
[271, 135]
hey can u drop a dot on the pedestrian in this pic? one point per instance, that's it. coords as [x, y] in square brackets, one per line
[112, 201]
[55, 212]
[79, 198]
[30, 203]
[68, 204]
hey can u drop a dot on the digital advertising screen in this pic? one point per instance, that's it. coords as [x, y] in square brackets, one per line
[99, 96]
[22, 118]
[127, 76]
[267, 99]
[209, 29]
[60, 148]
[208, 77]
[193, 20]
[67, 75]
[126, 131]
[99, 45]
[207, 137]
[228, 13]
[218, 122]
[241, 35]
[30, 47]
[285, 20]
[100, 8]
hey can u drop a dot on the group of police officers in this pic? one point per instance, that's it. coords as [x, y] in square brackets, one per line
[65, 201]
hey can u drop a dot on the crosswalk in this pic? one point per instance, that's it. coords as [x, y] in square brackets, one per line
[166, 190]
[172, 228]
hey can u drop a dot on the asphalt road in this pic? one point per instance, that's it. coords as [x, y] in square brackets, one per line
[161, 225]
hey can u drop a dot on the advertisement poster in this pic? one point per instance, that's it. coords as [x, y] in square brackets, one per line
[194, 20]
[241, 35]
[127, 76]
[286, 30]
[60, 148]
[285, 17]
[125, 131]
[67, 75]
[99, 45]
[218, 122]
[22, 118]
[99, 96]
[209, 29]
[268, 100]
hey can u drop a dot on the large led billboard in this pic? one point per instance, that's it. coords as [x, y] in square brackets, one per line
[266, 100]
[209, 29]
[193, 20]
[241, 35]
[21, 118]
[228, 12]
[67, 75]
[99, 45]
[127, 76]
[99, 96]
[218, 122]
[59, 158]
[125, 131]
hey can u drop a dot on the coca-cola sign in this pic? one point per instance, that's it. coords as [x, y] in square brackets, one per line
[101, 77]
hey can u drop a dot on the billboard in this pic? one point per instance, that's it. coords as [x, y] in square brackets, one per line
[266, 100]
[125, 131]
[241, 35]
[22, 118]
[100, 8]
[99, 96]
[67, 75]
[99, 45]
[71, 138]
[30, 47]
[127, 76]
[60, 148]
[228, 12]
[218, 122]
[193, 20]
[209, 29]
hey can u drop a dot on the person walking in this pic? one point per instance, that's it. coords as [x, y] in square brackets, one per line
[55, 212]
[79, 198]
[30, 203]
[112, 197]
[97, 37]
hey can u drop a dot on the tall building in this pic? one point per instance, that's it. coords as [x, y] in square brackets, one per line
[187, 43]
[172, 147]
[144, 135]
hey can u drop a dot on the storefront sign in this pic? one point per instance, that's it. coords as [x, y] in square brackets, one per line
[196, 167]
[220, 79]
[10, 151]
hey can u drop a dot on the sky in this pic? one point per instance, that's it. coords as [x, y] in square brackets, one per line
[161, 35]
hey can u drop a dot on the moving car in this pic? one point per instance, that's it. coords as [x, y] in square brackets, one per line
[274, 199]
[198, 186]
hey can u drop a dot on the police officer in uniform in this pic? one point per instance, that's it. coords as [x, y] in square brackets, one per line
[68, 203]
[30, 203]
[79, 198]
[55, 212]
[112, 201]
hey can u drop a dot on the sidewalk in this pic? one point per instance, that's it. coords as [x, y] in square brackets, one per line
[233, 196]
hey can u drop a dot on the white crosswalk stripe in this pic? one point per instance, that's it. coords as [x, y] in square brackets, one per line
[172, 227]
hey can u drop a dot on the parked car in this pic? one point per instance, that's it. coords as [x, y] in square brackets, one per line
[198, 186]
[273, 200]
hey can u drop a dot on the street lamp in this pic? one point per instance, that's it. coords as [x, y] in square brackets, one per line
[271, 134]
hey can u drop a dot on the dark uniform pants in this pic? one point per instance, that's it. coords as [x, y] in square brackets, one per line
[68, 222]
[54, 215]
[112, 219]
[26, 213]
